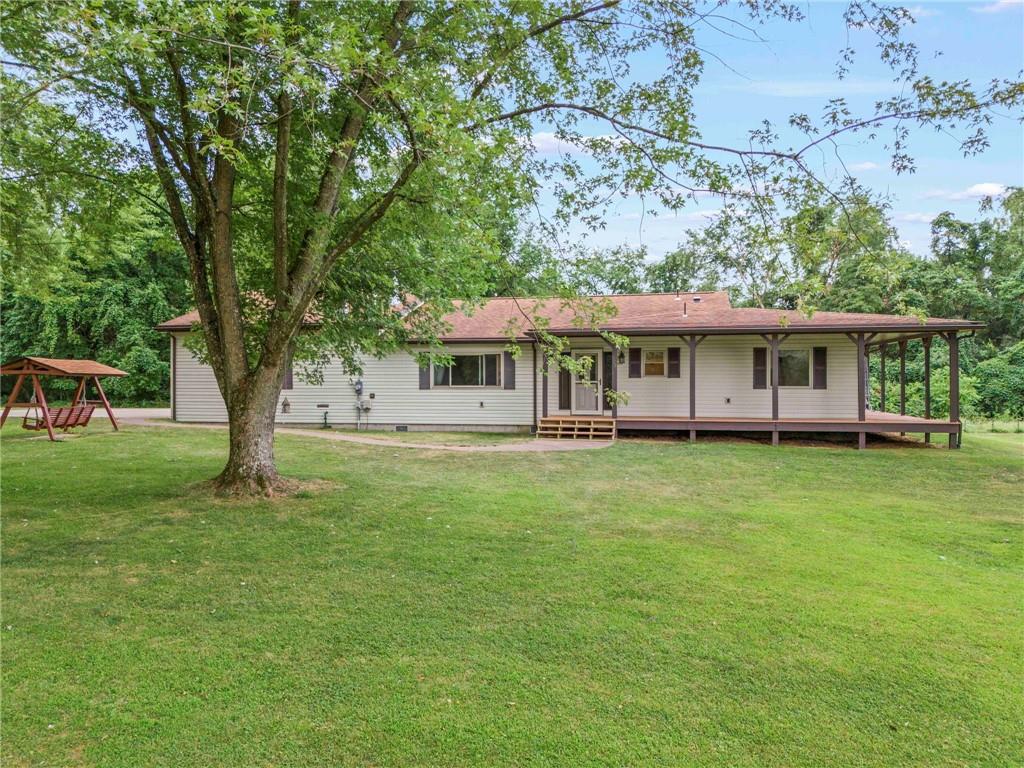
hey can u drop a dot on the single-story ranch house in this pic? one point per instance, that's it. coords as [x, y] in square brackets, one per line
[694, 363]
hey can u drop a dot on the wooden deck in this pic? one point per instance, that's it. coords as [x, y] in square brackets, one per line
[874, 421]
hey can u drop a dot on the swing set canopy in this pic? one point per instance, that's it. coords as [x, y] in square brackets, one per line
[48, 366]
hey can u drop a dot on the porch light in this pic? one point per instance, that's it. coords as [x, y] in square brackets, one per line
[622, 357]
[286, 407]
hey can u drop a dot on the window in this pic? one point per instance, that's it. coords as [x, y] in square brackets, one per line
[794, 368]
[469, 371]
[654, 362]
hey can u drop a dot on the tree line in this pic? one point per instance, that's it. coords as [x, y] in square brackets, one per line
[103, 305]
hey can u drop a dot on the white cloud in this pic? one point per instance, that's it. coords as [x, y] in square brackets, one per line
[792, 89]
[921, 12]
[915, 218]
[998, 6]
[547, 143]
[973, 192]
[865, 166]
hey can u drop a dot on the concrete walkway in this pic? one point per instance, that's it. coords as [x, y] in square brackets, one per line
[160, 417]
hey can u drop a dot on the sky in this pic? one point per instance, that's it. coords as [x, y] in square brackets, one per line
[793, 71]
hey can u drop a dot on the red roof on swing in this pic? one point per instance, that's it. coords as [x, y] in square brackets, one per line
[50, 366]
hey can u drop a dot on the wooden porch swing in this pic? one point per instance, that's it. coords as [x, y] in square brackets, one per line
[68, 417]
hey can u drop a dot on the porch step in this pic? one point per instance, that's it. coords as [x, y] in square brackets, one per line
[577, 428]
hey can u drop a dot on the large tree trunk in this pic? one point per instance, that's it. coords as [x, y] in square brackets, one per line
[251, 469]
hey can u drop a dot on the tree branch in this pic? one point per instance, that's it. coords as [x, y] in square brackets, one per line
[501, 57]
[281, 159]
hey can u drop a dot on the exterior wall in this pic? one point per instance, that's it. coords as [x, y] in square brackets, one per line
[725, 372]
[390, 384]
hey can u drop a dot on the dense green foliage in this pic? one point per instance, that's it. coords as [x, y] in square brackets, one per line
[761, 607]
[106, 310]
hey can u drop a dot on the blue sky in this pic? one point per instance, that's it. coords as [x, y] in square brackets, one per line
[794, 71]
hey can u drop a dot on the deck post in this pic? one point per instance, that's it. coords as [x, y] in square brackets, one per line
[12, 399]
[861, 387]
[927, 341]
[881, 376]
[615, 382]
[954, 385]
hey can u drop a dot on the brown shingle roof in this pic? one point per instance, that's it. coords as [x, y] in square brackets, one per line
[671, 313]
[650, 314]
[59, 367]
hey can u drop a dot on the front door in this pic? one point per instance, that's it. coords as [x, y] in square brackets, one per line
[586, 391]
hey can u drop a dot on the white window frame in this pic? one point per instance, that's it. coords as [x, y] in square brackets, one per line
[483, 372]
[664, 364]
[810, 368]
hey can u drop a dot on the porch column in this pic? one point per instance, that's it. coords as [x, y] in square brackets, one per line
[927, 341]
[881, 352]
[903, 380]
[692, 342]
[862, 370]
[954, 384]
[533, 351]
[544, 384]
[615, 381]
[775, 387]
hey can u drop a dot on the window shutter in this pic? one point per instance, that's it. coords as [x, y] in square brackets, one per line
[425, 377]
[508, 372]
[636, 358]
[760, 368]
[607, 361]
[820, 380]
[673, 362]
[564, 390]
[289, 377]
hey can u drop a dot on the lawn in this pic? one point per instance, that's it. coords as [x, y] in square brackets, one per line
[654, 603]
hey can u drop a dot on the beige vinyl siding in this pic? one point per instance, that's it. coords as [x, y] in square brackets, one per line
[394, 383]
[656, 395]
[725, 371]
[196, 396]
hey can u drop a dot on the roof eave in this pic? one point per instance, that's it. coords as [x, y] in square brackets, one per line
[736, 330]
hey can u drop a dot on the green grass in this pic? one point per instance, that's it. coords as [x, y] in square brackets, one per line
[650, 604]
[994, 425]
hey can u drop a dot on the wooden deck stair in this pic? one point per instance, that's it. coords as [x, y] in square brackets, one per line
[577, 428]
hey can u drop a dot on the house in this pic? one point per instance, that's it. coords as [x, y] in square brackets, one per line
[694, 363]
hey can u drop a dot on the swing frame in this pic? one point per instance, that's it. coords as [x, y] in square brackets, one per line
[32, 368]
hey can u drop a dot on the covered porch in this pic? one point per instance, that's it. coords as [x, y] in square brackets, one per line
[857, 417]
